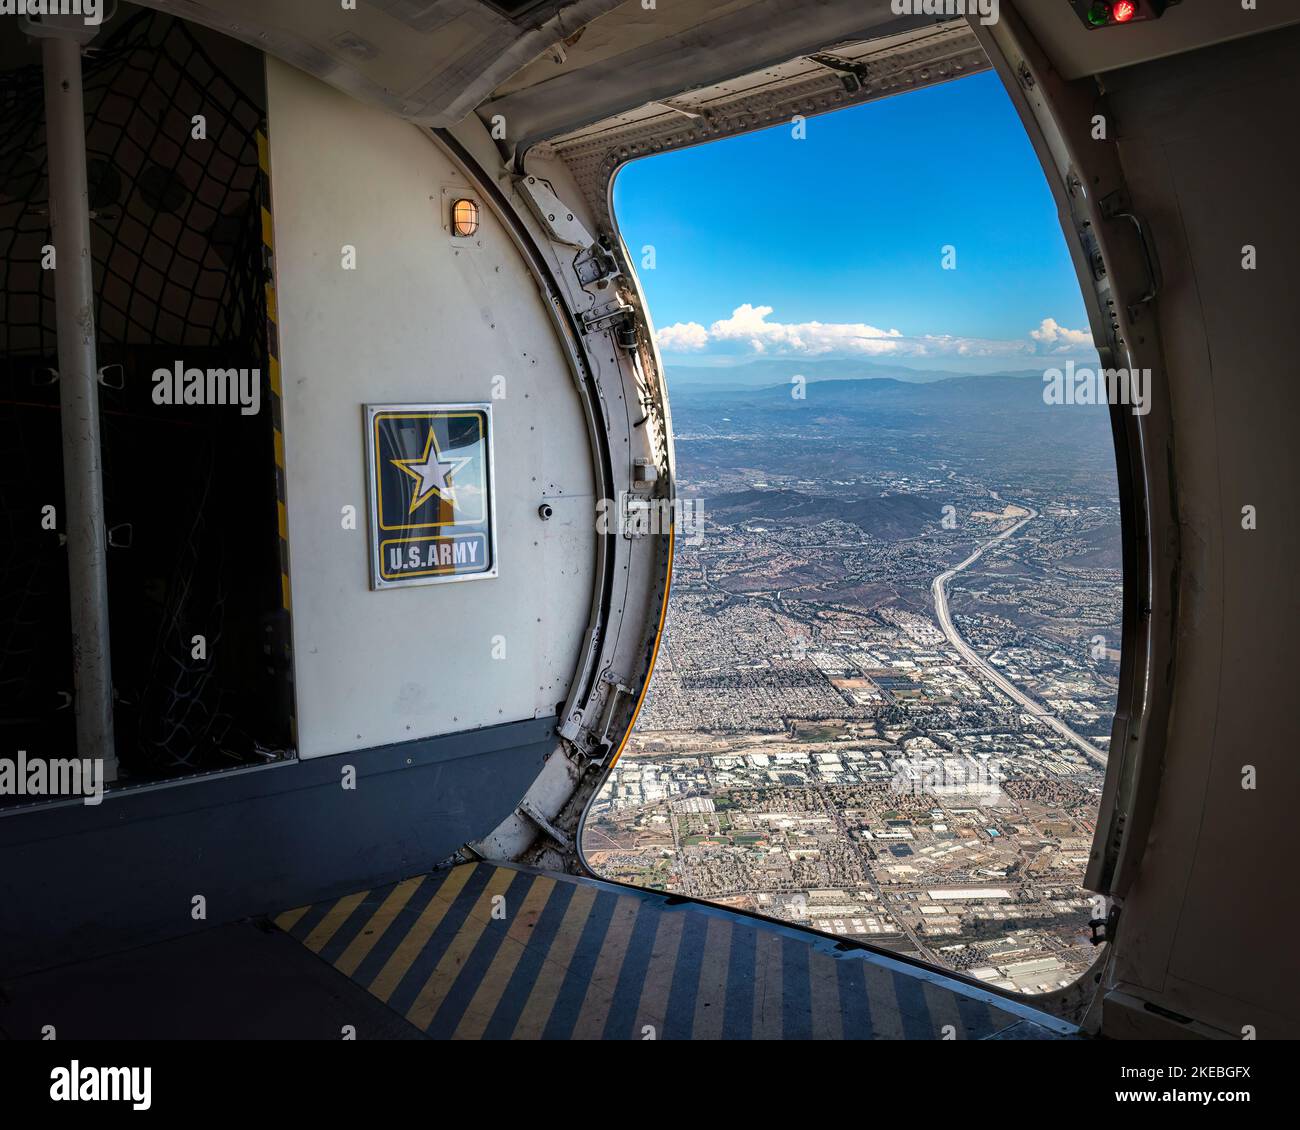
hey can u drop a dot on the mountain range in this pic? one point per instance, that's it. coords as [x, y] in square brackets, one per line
[758, 374]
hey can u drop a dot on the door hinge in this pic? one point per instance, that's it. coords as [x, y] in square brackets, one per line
[547, 827]
[617, 316]
[559, 220]
[596, 266]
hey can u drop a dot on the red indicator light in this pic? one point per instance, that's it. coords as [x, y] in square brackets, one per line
[1123, 11]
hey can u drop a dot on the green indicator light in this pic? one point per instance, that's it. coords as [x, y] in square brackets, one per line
[1099, 15]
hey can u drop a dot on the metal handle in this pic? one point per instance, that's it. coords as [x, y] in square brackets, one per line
[1148, 252]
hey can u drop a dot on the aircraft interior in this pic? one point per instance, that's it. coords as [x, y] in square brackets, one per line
[310, 308]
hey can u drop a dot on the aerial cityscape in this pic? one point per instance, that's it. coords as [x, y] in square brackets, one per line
[882, 704]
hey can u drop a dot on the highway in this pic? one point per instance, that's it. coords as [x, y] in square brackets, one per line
[938, 591]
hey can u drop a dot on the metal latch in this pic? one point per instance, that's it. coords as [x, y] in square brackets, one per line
[645, 471]
[606, 315]
[853, 74]
[1103, 929]
[594, 743]
[617, 689]
[615, 315]
[596, 266]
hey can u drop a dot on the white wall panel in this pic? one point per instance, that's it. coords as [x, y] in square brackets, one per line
[1208, 935]
[419, 320]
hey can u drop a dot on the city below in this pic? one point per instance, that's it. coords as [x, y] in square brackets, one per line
[883, 700]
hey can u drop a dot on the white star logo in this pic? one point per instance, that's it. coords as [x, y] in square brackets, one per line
[432, 472]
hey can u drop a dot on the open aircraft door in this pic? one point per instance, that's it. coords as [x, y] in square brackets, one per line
[474, 468]
[472, 477]
[531, 327]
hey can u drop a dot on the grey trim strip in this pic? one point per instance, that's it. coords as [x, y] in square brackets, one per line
[78, 881]
[41, 820]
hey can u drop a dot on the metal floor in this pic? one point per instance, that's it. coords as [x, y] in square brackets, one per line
[486, 951]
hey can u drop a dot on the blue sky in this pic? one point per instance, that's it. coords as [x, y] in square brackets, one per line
[841, 234]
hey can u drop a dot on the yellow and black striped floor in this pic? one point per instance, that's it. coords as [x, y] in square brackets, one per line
[487, 951]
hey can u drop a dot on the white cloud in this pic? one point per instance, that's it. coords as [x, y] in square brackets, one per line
[748, 324]
[750, 331]
[682, 337]
[945, 345]
[1057, 339]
